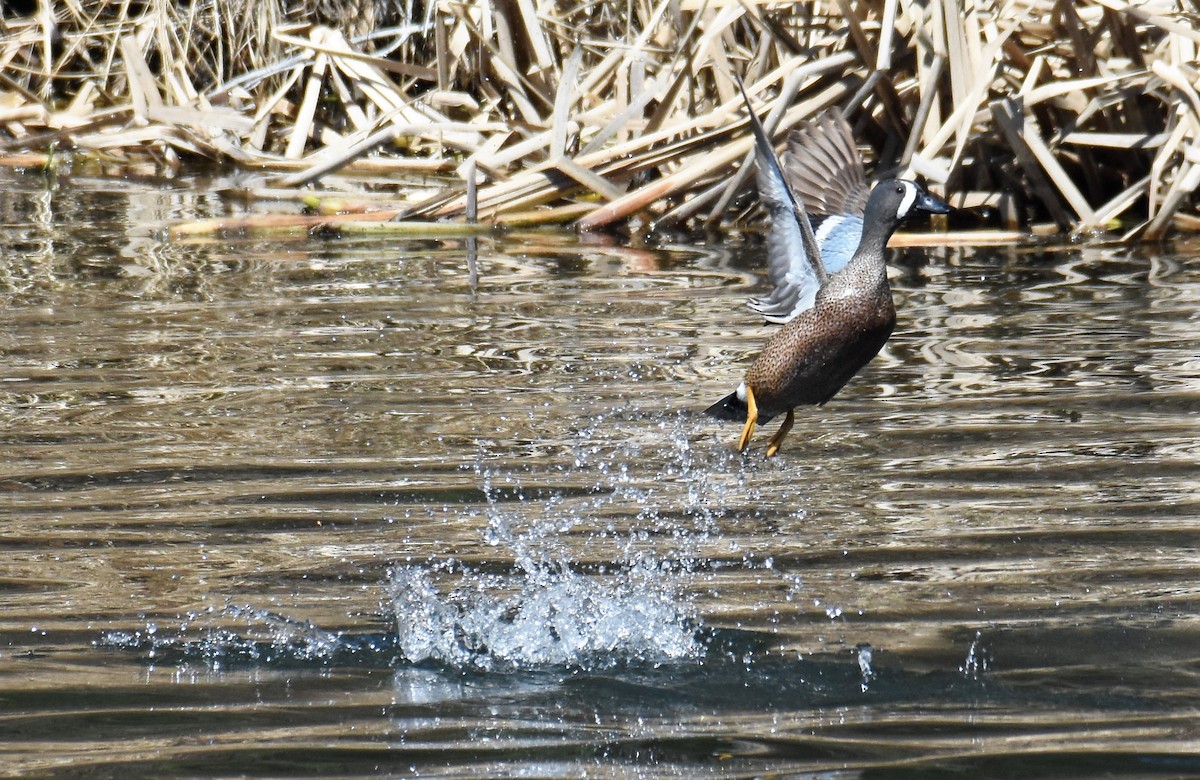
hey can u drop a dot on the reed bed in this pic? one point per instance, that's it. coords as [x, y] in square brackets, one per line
[1084, 116]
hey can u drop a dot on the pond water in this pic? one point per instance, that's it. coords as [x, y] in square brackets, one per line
[338, 506]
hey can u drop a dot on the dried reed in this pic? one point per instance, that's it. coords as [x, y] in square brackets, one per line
[1084, 114]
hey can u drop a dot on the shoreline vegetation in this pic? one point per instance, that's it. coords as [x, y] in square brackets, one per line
[1059, 117]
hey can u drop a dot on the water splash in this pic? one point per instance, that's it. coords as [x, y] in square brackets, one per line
[552, 616]
[559, 590]
[218, 637]
[547, 609]
[865, 655]
[978, 660]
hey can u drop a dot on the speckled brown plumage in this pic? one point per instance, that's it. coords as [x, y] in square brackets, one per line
[812, 357]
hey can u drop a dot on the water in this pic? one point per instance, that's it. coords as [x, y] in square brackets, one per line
[323, 506]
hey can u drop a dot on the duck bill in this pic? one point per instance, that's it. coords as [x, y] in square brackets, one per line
[932, 204]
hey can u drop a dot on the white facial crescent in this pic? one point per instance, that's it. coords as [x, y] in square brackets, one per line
[910, 198]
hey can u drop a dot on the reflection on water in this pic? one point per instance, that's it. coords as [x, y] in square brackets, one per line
[331, 505]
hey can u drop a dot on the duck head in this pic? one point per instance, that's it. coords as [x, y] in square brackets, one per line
[895, 200]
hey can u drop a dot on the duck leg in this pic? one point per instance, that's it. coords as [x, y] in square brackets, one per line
[777, 439]
[751, 420]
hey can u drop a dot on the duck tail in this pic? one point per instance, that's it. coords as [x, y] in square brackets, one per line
[729, 408]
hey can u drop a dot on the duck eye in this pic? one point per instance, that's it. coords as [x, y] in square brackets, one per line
[899, 189]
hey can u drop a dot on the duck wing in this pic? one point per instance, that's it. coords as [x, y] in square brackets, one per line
[823, 168]
[794, 284]
[794, 262]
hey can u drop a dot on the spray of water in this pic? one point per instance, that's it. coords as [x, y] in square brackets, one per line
[588, 579]
[217, 637]
[547, 609]
[554, 617]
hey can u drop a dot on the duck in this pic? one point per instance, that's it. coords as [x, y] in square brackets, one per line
[830, 290]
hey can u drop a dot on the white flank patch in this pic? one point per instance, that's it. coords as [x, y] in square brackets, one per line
[910, 197]
[741, 392]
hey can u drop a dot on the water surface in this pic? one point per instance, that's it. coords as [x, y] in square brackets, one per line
[333, 505]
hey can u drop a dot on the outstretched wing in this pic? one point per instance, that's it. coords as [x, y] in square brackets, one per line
[794, 263]
[823, 168]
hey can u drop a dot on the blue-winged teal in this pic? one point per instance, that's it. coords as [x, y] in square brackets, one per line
[838, 314]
